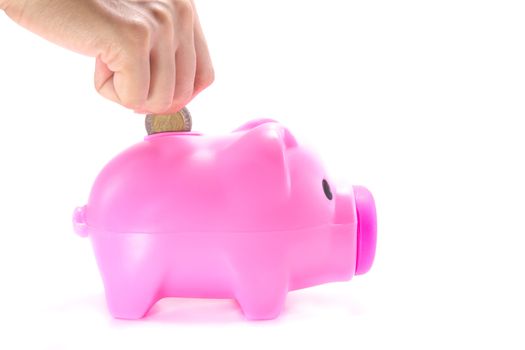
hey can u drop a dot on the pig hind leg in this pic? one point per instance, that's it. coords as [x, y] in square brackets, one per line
[132, 281]
[130, 299]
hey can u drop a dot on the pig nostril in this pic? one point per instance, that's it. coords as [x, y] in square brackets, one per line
[327, 191]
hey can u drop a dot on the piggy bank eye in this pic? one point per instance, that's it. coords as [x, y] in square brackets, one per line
[326, 189]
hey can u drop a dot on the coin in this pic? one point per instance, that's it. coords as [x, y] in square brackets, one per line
[180, 121]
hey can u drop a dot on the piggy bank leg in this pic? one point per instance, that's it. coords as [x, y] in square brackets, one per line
[131, 272]
[261, 298]
[261, 291]
[130, 299]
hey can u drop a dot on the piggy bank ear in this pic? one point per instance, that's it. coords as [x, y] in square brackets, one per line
[254, 123]
[256, 160]
[289, 139]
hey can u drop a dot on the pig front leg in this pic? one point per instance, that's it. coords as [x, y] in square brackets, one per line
[261, 286]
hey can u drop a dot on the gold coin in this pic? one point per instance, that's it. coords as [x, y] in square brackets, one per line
[180, 121]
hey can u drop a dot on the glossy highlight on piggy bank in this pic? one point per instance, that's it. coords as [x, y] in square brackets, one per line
[249, 215]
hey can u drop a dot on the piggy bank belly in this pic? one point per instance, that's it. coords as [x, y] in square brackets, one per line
[256, 269]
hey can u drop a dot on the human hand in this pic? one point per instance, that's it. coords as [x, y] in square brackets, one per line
[151, 56]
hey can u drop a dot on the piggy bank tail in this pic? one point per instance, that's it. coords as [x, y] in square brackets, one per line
[79, 221]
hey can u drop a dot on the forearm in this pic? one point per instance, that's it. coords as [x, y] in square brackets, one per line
[78, 25]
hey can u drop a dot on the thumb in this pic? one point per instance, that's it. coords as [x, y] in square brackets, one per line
[104, 81]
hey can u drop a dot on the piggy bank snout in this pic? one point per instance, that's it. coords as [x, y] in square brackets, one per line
[366, 229]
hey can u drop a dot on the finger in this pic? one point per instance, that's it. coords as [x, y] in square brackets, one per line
[131, 83]
[185, 76]
[204, 74]
[162, 84]
[162, 61]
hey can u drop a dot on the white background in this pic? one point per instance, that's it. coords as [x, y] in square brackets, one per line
[421, 101]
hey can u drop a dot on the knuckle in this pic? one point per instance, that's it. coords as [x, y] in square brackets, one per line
[99, 85]
[131, 102]
[209, 77]
[204, 79]
[138, 33]
[162, 13]
[182, 96]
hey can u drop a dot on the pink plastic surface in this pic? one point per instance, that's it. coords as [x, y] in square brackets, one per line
[243, 216]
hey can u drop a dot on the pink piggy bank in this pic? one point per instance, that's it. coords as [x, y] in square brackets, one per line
[250, 215]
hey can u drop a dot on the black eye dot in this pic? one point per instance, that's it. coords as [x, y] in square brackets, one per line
[327, 191]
